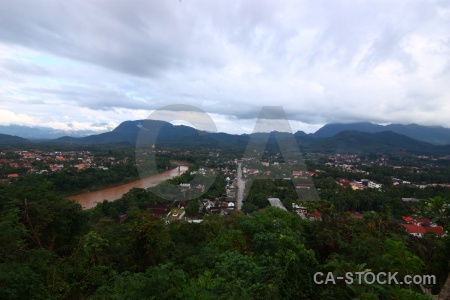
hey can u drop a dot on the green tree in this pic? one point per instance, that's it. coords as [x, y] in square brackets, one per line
[192, 209]
[248, 207]
[150, 242]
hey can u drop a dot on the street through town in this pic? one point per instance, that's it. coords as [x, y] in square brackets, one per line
[241, 186]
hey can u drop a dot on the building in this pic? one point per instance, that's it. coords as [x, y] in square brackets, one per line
[374, 185]
[414, 230]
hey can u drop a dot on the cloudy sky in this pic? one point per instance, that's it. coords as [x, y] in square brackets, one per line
[93, 64]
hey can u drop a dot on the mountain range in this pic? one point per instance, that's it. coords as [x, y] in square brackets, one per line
[336, 138]
[45, 133]
[431, 134]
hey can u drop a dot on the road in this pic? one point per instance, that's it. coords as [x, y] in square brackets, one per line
[241, 186]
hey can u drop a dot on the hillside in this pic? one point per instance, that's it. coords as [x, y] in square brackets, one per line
[6, 139]
[431, 134]
[149, 132]
[379, 142]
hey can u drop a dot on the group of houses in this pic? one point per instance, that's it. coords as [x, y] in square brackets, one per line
[359, 185]
[22, 162]
[420, 226]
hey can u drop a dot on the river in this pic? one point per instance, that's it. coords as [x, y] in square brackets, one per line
[89, 200]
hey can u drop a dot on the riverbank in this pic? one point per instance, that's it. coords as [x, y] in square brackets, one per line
[90, 199]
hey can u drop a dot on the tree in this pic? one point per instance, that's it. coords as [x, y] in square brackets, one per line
[248, 207]
[192, 208]
[150, 242]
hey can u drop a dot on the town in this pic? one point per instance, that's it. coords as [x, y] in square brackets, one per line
[330, 202]
[412, 175]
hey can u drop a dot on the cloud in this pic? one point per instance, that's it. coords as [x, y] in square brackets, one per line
[23, 67]
[8, 117]
[322, 61]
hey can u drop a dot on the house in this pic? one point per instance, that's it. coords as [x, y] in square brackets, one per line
[300, 210]
[10, 176]
[81, 167]
[407, 219]
[252, 172]
[315, 216]
[414, 230]
[419, 230]
[343, 181]
[374, 185]
[438, 230]
[185, 185]
[159, 210]
[422, 221]
[357, 185]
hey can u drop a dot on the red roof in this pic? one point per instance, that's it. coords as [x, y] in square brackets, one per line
[411, 228]
[316, 214]
[435, 230]
[357, 215]
[423, 220]
[407, 219]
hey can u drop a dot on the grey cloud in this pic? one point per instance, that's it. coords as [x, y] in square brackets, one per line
[388, 47]
[300, 55]
[141, 39]
[91, 97]
[24, 68]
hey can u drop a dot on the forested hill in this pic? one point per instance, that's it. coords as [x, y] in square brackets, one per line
[380, 142]
[6, 139]
[149, 132]
[146, 132]
[436, 135]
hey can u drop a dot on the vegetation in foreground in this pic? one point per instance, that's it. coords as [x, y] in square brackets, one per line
[52, 249]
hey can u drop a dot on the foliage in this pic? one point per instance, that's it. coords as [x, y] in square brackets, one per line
[52, 249]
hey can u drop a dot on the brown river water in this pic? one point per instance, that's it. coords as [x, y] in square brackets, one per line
[89, 200]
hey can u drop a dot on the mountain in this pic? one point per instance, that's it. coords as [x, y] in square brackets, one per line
[436, 135]
[145, 132]
[378, 142]
[330, 130]
[300, 133]
[6, 139]
[150, 132]
[41, 133]
[431, 134]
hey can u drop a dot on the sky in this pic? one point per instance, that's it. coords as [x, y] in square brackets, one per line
[90, 65]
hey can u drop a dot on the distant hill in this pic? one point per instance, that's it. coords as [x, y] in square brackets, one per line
[6, 139]
[165, 134]
[40, 132]
[300, 133]
[431, 134]
[378, 142]
[146, 132]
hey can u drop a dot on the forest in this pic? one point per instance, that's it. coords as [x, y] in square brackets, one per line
[52, 249]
